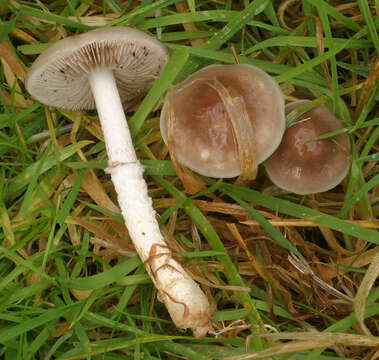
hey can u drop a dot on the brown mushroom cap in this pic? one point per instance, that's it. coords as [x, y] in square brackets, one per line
[310, 167]
[59, 76]
[202, 131]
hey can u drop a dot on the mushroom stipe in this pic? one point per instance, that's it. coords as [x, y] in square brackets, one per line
[100, 69]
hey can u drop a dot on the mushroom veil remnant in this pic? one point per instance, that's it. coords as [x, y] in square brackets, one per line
[224, 120]
[308, 167]
[98, 69]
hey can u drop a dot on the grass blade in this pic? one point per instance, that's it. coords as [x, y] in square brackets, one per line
[98, 281]
[302, 212]
[166, 78]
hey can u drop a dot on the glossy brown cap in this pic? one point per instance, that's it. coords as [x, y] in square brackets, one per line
[59, 76]
[203, 134]
[310, 167]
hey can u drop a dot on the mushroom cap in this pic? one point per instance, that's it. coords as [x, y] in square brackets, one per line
[203, 134]
[310, 167]
[59, 76]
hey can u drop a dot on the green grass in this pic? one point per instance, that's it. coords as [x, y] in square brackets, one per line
[71, 285]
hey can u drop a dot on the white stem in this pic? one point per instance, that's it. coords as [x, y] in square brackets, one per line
[185, 301]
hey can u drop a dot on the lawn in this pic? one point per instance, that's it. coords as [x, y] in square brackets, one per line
[287, 276]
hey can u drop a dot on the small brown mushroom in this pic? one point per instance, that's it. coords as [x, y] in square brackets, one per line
[224, 119]
[307, 167]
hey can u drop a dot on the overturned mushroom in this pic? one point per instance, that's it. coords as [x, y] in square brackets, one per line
[307, 167]
[224, 120]
[96, 69]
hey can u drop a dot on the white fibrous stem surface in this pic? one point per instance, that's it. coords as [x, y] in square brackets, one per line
[185, 301]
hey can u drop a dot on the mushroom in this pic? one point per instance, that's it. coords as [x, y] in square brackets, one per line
[85, 71]
[308, 167]
[223, 120]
